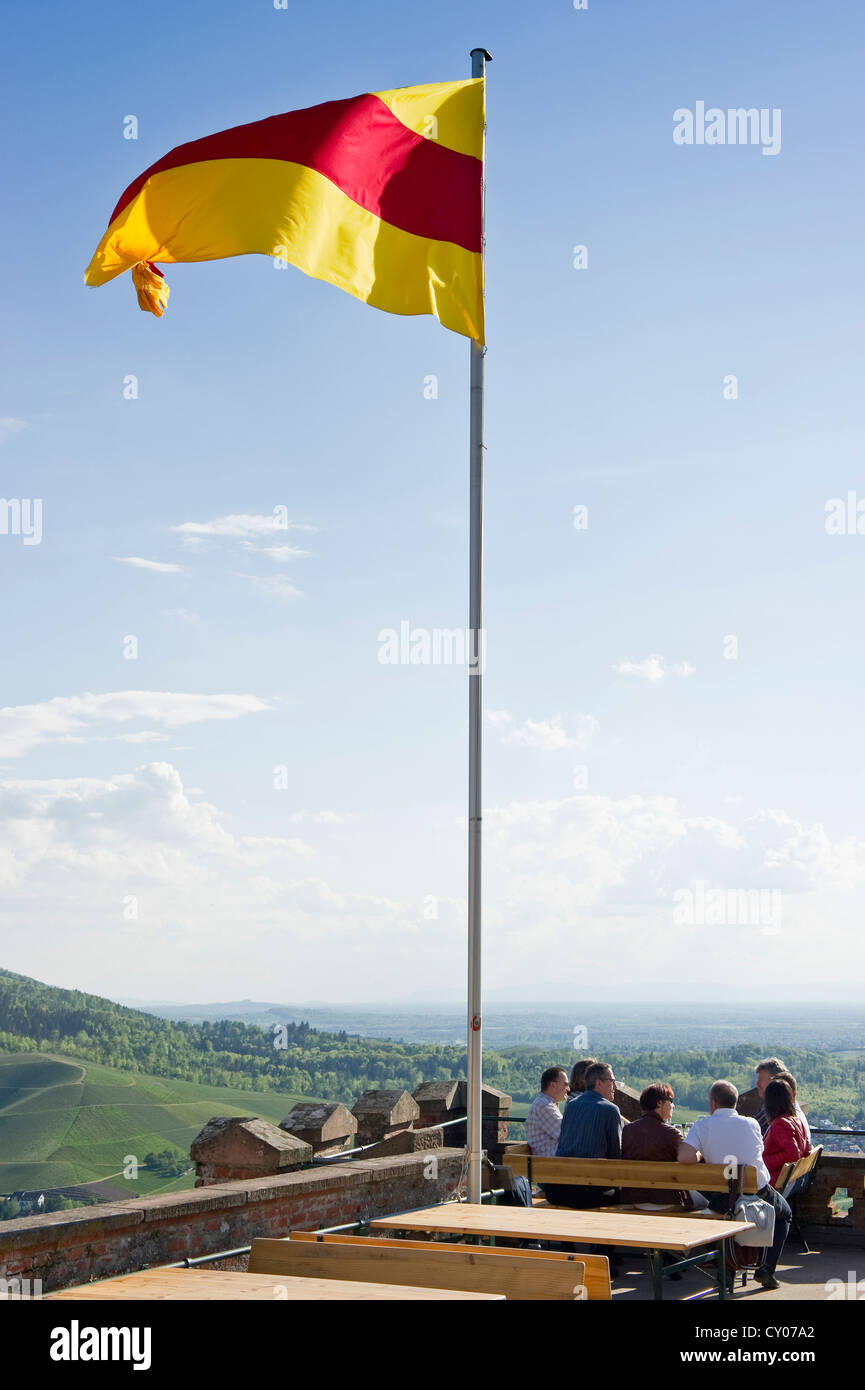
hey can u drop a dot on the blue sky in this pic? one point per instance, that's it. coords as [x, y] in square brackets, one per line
[605, 388]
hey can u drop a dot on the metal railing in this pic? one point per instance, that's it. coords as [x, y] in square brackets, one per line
[192, 1261]
[348, 1154]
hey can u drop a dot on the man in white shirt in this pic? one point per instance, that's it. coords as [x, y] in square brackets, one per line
[544, 1118]
[722, 1136]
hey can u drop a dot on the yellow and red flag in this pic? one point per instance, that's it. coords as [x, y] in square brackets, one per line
[380, 195]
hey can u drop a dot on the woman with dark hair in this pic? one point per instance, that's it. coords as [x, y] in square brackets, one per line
[578, 1074]
[791, 1082]
[653, 1139]
[785, 1140]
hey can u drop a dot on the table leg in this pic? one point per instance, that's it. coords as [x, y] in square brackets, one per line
[722, 1270]
[656, 1265]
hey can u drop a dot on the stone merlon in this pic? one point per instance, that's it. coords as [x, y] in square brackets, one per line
[325, 1127]
[231, 1146]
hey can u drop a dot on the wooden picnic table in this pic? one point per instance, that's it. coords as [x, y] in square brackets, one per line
[643, 1232]
[208, 1284]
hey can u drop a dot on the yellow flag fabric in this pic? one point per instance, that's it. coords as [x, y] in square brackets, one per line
[380, 195]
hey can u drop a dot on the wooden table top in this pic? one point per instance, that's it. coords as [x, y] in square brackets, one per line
[592, 1227]
[205, 1284]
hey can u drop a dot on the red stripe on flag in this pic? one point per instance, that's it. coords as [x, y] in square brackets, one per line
[362, 147]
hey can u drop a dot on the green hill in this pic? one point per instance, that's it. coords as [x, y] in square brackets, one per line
[289, 1057]
[66, 1122]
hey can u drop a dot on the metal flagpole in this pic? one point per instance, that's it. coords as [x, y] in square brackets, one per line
[476, 435]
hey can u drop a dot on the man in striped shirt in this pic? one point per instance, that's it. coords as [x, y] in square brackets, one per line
[544, 1118]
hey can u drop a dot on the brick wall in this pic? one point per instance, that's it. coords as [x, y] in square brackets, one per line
[73, 1247]
[835, 1170]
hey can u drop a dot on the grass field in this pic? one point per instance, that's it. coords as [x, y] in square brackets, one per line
[64, 1122]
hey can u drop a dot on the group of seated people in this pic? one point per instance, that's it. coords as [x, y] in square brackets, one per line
[592, 1126]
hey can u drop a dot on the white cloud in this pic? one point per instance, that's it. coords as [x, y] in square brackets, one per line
[23, 727]
[158, 566]
[277, 586]
[283, 553]
[143, 736]
[9, 426]
[321, 817]
[652, 668]
[74, 854]
[241, 526]
[609, 871]
[256, 532]
[138, 824]
[585, 881]
[547, 734]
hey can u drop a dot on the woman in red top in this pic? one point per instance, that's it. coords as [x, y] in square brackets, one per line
[785, 1140]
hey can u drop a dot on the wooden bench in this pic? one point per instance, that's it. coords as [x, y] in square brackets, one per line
[423, 1264]
[789, 1177]
[620, 1172]
[792, 1172]
[208, 1285]
[597, 1267]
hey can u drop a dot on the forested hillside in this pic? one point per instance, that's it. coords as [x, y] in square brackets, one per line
[301, 1060]
[296, 1058]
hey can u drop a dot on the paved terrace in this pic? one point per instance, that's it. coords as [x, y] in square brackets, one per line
[802, 1277]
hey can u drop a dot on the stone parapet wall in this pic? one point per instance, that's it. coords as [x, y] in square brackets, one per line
[628, 1101]
[835, 1171]
[74, 1247]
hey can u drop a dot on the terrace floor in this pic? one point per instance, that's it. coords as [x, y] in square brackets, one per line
[802, 1277]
